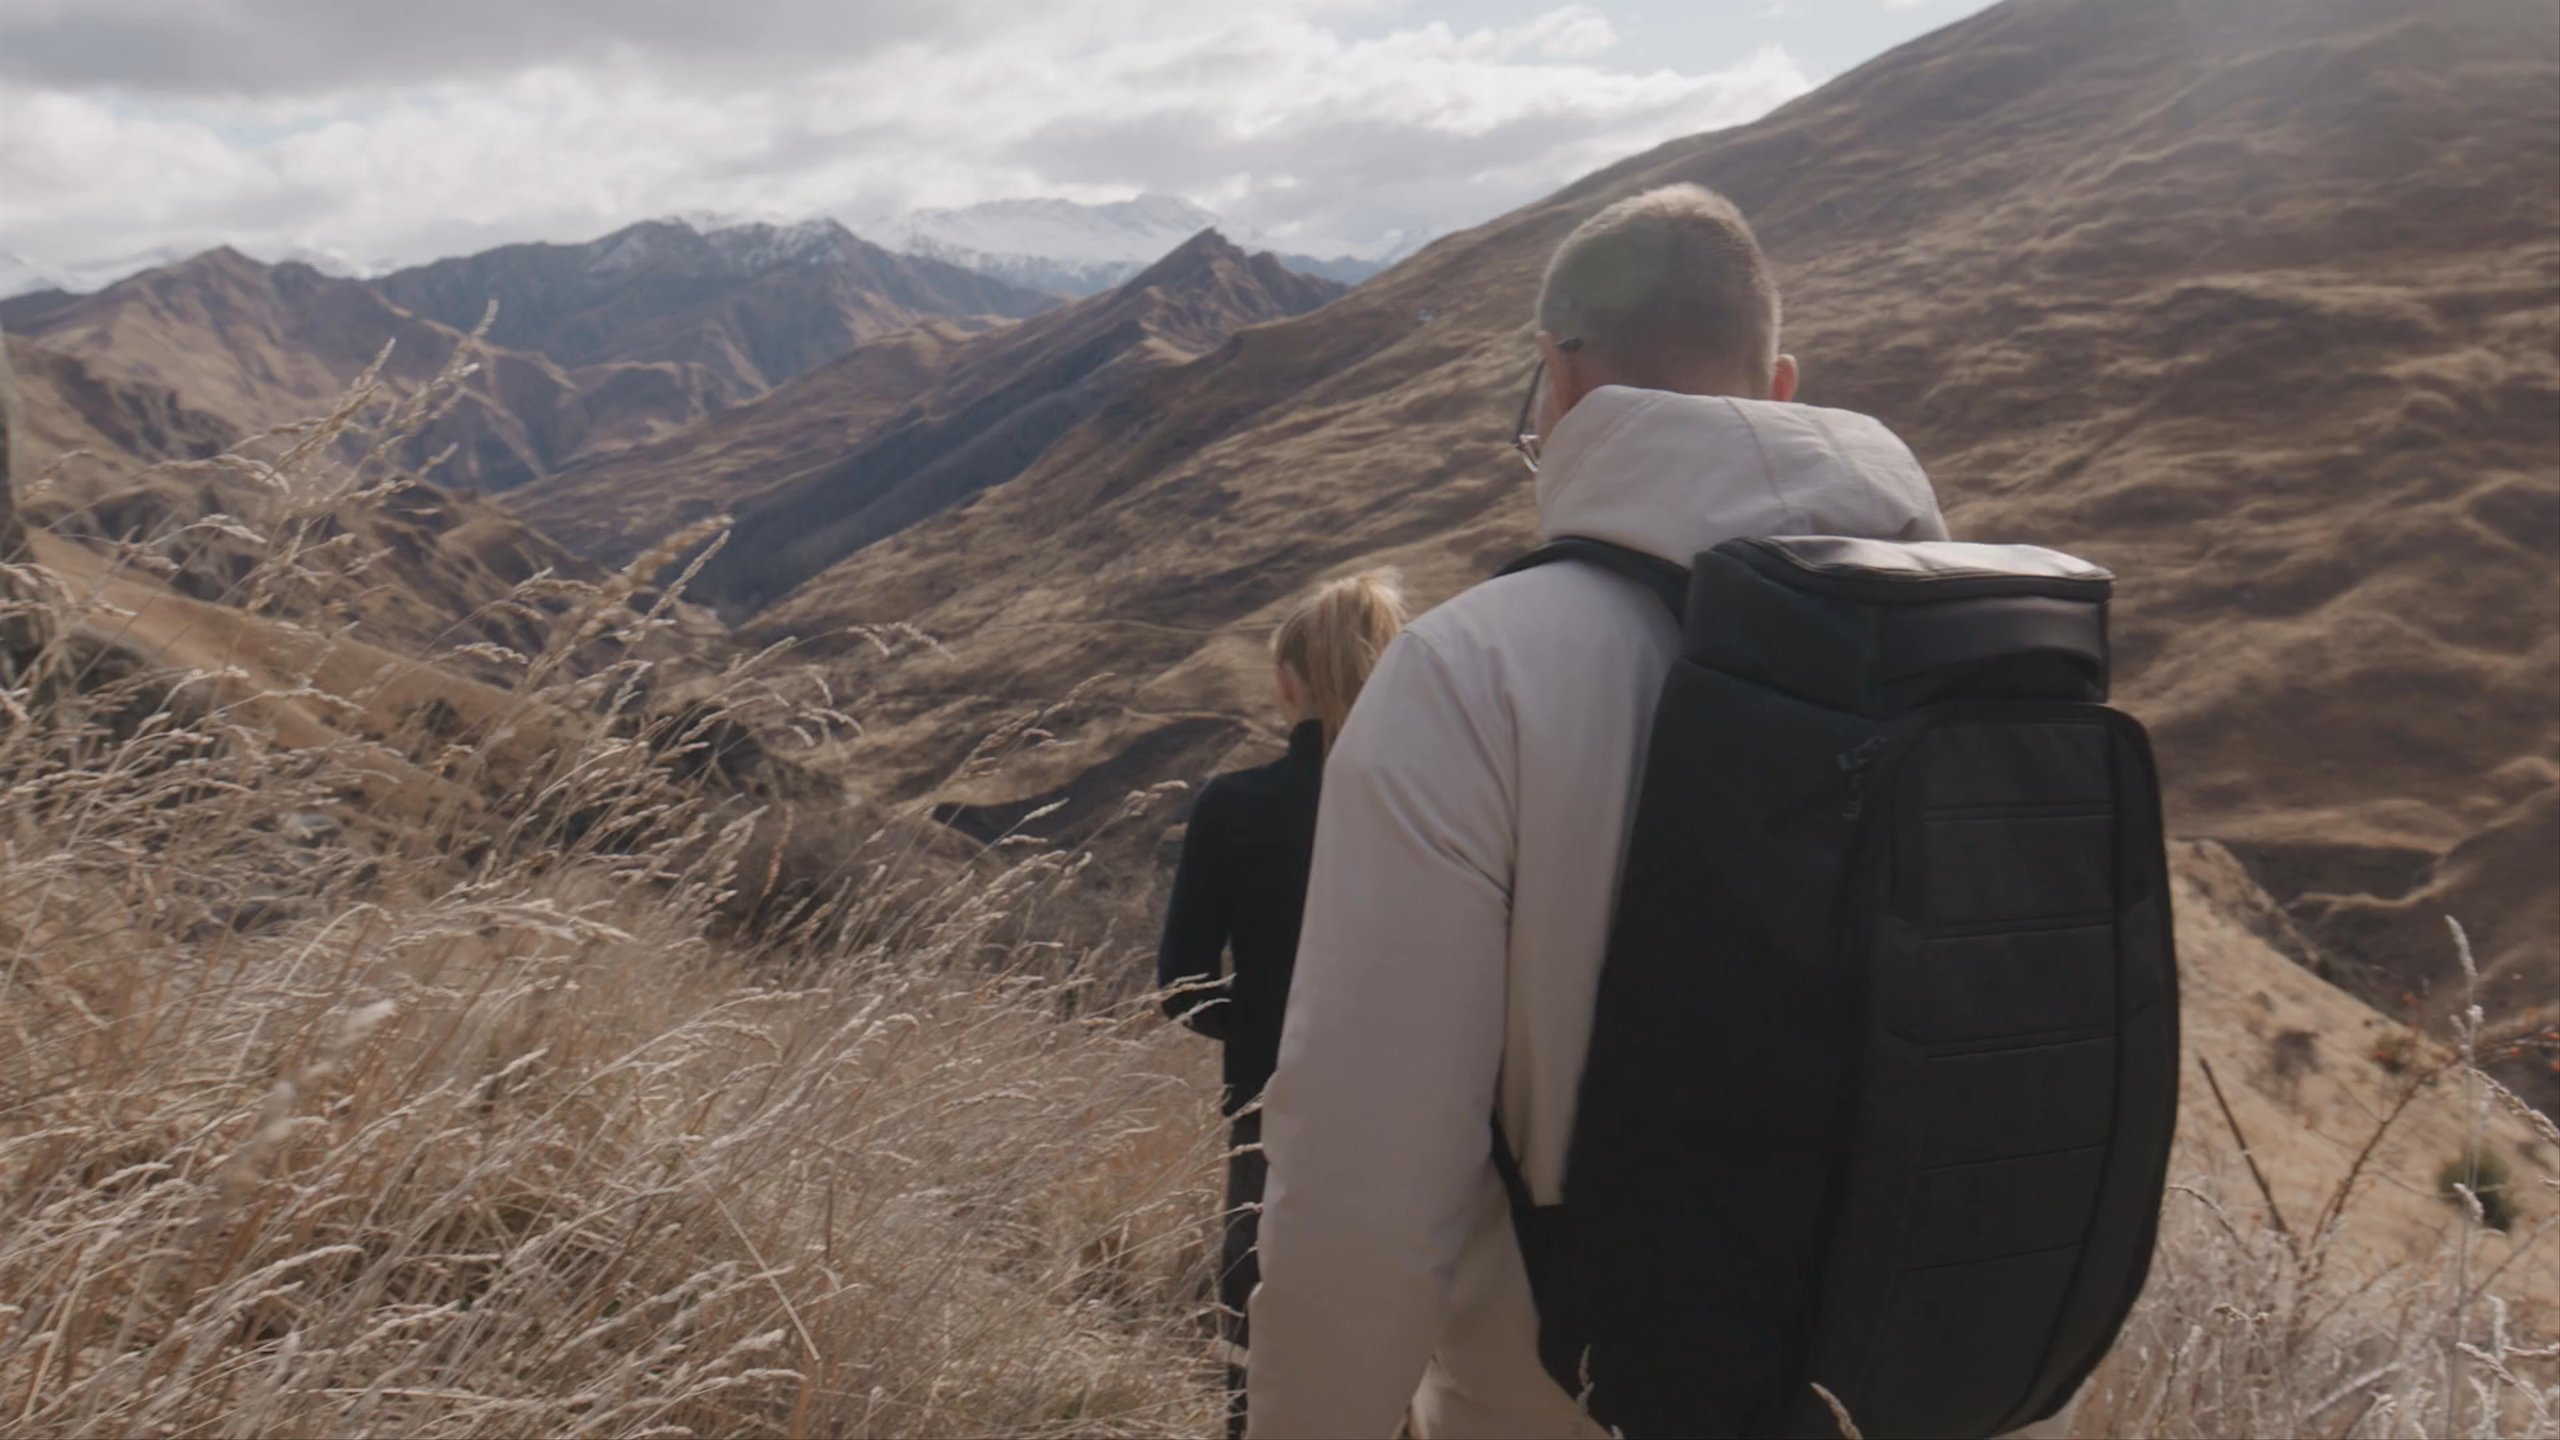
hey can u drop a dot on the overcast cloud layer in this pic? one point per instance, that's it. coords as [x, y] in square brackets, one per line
[400, 132]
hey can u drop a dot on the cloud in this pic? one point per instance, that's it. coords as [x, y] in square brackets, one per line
[1341, 142]
[398, 133]
[296, 47]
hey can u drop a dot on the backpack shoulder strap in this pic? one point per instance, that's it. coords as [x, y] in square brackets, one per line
[1664, 579]
[1668, 582]
[1506, 1165]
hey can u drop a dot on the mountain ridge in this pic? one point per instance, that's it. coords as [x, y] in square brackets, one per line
[591, 348]
[855, 465]
[1049, 246]
[262, 346]
[750, 305]
[615, 506]
[1077, 249]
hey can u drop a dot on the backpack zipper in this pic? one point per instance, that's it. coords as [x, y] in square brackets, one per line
[1854, 764]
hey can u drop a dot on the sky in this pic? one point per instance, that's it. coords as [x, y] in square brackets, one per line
[376, 134]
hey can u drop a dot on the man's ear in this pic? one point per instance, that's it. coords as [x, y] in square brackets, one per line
[1782, 379]
[1566, 383]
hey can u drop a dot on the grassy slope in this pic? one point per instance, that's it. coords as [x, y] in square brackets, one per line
[2253, 303]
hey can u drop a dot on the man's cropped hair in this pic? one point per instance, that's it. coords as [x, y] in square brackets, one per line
[1665, 288]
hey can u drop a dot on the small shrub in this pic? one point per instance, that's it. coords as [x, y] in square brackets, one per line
[2291, 1054]
[2396, 1052]
[2486, 1176]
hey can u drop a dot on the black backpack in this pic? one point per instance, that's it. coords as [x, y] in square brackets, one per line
[1883, 1067]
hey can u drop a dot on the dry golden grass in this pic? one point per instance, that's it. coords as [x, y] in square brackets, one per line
[2252, 1328]
[325, 1113]
[467, 1126]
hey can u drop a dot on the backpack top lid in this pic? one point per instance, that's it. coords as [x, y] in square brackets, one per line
[1877, 627]
[1895, 572]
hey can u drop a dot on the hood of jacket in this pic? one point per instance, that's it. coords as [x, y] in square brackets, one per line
[1674, 475]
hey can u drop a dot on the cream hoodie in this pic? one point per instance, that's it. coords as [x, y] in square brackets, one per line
[1467, 859]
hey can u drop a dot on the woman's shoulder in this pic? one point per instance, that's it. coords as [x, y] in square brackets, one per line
[1217, 797]
[1240, 792]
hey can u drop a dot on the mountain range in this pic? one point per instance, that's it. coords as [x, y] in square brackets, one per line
[2257, 305]
[21, 276]
[258, 346]
[589, 347]
[595, 347]
[1047, 245]
[909, 425]
[744, 308]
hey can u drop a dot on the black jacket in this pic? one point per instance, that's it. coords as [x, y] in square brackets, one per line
[1240, 889]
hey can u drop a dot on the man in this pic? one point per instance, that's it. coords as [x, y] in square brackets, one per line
[1469, 844]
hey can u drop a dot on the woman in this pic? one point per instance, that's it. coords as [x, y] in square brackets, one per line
[1240, 887]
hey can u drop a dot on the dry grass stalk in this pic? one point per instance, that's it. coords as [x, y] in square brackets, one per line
[2248, 1331]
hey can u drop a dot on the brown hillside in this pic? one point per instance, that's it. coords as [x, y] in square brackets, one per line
[614, 506]
[110, 462]
[253, 343]
[594, 348]
[260, 346]
[2254, 303]
[315, 602]
[2310, 1073]
[84, 433]
[17, 312]
[997, 403]
[742, 310]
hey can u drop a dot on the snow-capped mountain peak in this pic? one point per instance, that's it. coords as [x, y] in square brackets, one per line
[745, 248]
[757, 247]
[1067, 247]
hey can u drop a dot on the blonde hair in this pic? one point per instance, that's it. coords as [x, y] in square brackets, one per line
[1664, 284]
[1334, 636]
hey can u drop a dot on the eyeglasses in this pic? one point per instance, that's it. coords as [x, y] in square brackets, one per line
[1523, 439]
